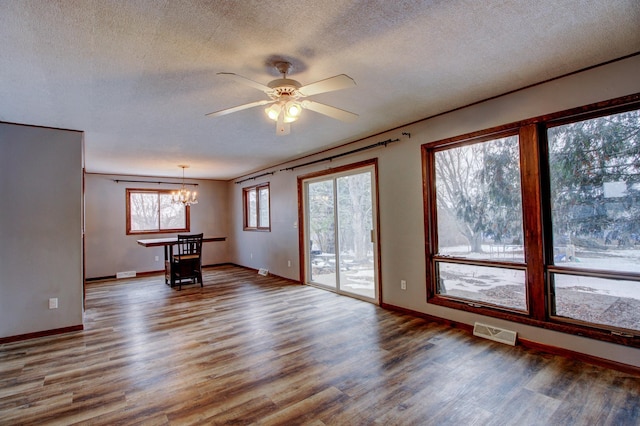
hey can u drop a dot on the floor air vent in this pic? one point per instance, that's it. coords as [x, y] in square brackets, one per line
[263, 272]
[126, 274]
[494, 333]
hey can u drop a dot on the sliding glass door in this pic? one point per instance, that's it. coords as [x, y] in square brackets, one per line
[340, 232]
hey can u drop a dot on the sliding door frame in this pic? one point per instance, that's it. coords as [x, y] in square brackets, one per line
[373, 162]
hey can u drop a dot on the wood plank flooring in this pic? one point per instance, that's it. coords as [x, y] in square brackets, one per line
[247, 349]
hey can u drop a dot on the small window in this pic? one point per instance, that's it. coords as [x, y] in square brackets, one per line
[152, 212]
[256, 208]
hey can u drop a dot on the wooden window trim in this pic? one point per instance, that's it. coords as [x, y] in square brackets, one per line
[187, 228]
[431, 226]
[245, 210]
[536, 217]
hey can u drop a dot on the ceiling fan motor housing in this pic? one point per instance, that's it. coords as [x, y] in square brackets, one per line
[285, 86]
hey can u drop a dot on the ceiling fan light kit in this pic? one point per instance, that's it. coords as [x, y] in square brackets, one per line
[285, 104]
[291, 110]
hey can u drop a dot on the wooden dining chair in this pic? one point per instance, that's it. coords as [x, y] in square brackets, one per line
[186, 262]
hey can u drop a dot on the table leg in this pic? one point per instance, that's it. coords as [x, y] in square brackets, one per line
[167, 265]
[172, 278]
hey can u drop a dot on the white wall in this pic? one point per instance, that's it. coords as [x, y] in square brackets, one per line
[271, 250]
[400, 194]
[109, 250]
[40, 229]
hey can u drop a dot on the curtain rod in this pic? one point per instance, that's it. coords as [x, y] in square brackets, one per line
[254, 177]
[154, 181]
[364, 148]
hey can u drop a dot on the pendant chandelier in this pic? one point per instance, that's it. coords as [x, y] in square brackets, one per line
[184, 196]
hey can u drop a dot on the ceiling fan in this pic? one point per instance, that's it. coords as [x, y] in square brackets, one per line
[286, 98]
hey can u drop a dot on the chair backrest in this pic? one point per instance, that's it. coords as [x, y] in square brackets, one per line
[189, 245]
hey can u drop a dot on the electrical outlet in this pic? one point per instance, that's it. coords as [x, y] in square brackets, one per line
[403, 284]
[157, 258]
[53, 303]
[289, 263]
[251, 255]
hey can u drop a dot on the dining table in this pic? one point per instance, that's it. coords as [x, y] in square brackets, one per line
[168, 243]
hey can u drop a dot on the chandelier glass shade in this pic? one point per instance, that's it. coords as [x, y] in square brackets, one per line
[184, 196]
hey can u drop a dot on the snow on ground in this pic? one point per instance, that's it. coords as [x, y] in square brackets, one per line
[474, 278]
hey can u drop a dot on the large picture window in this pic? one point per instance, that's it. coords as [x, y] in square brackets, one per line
[539, 222]
[152, 212]
[479, 222]
[594, 168]
[257, 216]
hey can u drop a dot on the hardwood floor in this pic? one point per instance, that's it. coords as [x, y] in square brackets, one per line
[249, 349]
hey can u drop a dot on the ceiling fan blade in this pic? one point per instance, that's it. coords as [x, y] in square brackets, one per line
[330, 84]
[330, 111]
[239, 108]
[245, 80]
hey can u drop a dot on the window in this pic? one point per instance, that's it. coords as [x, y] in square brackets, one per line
[256, 208]
[539, 222]
[594, 170]
[479, 222]
[152, 211]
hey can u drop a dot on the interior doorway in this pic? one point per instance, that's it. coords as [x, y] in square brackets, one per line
[339, 230]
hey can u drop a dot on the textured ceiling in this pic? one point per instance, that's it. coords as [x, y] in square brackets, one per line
[138, 77]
